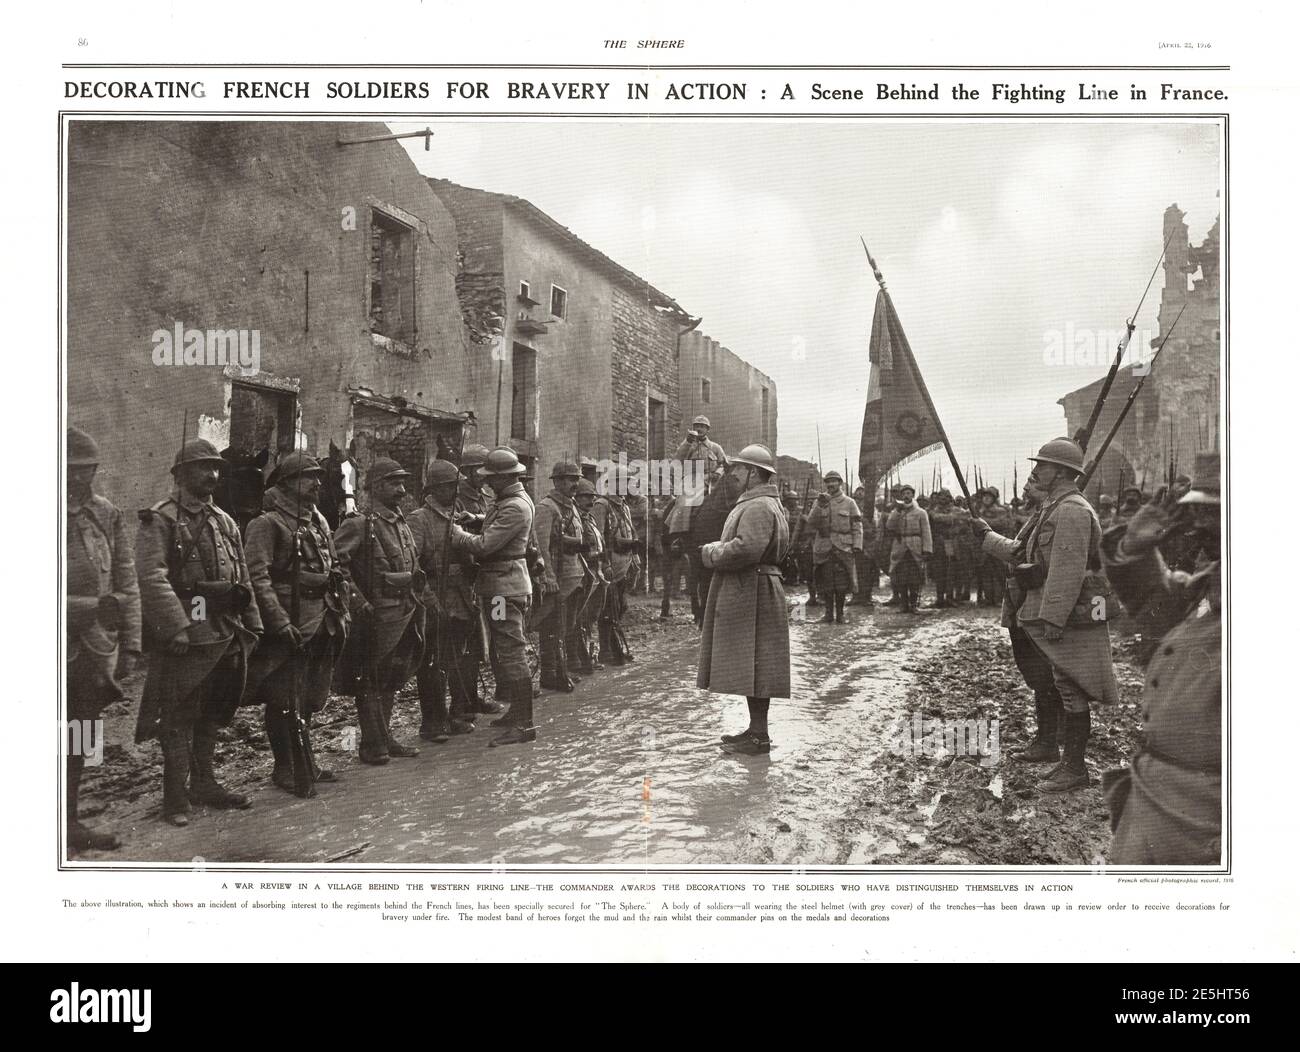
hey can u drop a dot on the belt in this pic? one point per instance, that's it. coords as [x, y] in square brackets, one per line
[1181, 764]
[502, 561]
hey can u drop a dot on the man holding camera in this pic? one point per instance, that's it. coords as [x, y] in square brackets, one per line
[1055, 607]
[698, 446]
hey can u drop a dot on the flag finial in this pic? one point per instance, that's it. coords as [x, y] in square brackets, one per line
[880, 280]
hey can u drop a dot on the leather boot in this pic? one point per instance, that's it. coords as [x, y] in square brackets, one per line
[177, 750]
[81, 837]
[278, 730]
[370, 722]
[395, 748]
[1043, 748]
[519, 730]
[839, 608]
[460, 717]
[1072, 771]
[828, 618]
[431, 685]
[204, 787]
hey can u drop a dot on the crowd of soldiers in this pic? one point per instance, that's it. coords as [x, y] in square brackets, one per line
[292, 611]
[840, 546]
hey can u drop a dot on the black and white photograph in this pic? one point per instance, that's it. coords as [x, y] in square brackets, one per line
[685, 494]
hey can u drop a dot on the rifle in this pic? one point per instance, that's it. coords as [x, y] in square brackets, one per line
[1084, 435]
[1128, 404]
[304, 773]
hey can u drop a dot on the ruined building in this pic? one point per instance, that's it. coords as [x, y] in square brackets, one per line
[334, 263]
[572, 354]
[1176, 415]
[739, 401]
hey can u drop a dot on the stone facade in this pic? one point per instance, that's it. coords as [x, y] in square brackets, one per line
[739, 401]
[1176, 415]
[340, 258]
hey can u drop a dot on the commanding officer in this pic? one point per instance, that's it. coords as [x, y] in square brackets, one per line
[909, 527]
[103, 618]
[558, 528]
[388, 644]
[836, 523]
[614, 520]
[745, 644]
[454, 649]
[1166, 806]
[595, 583]
[301, 594]
[1056, 612]
[504, 589]
[198, 613]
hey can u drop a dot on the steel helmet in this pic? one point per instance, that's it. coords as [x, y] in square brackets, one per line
[756, 456]
[441, 472]
[502, 462]
[196, 451]
[701, 420]
[1063, 452]
[473, 455]
[82, 449]
[833, 475]
[385, 468]
[565, 469]
[586, 488]
[295, 464]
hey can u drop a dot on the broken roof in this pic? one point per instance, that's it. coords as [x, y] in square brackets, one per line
[589, 252]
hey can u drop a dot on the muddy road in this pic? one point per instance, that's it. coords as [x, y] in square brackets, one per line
[627, 769]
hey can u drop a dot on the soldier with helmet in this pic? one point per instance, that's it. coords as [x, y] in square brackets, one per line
[1106, 511]
[503, 587]
[698, 446]
[387, 643]
[1167, 807]
[103, 618]
[1130, 502]
[998, 516]
[614, 520]
[1056, 611]
[469, 495]
[201, 623]
[836, 525]
[454, 649]
[946, 523]
[745, 643]
[558, 529]
[298, 581]
[908, 526]
[595, 582]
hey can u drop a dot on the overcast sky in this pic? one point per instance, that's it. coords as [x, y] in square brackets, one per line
[995, 238]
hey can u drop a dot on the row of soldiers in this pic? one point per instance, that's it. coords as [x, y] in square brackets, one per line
[292, 611]
[840, 553]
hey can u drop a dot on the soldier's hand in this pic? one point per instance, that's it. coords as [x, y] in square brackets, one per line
[549, 587]
[290, 634]
[1151, 523]
[1053, 633]
[180, 644]
[980, 526]
[823, 499]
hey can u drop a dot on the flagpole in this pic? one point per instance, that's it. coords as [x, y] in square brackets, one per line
[920, 380]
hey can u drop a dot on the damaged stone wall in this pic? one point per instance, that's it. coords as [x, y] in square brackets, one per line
[644, 345]
[1177, 413]
[736, 394]
[251, 226]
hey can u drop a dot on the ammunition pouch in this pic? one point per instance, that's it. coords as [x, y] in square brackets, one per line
[397, 585]
[626, 544]
[109, 611]
[1088, 610]
[1030, 575]
[221, 597]
[571, 545]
